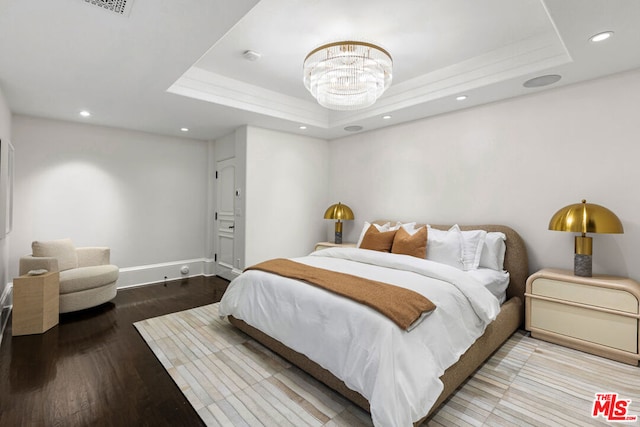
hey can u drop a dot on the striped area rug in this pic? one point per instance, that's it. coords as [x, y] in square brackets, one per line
[233, 381]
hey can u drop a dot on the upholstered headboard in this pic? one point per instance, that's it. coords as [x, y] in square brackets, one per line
[516, 261]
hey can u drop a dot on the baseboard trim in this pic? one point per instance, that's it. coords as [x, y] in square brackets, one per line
[155, 273]
[131, 277]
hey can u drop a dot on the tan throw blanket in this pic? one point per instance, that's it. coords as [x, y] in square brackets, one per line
[403, 306]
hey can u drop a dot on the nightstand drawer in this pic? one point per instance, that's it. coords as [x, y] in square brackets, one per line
[614, 299]
[594, 326]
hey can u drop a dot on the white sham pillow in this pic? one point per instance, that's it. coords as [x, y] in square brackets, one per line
[409, 227]
[381, 228]
[473, 244]
[445, 246]
[493, 251]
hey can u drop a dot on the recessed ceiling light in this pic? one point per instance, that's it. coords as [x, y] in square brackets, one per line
[461, 98]
[601, 36]
[540, 81]
[184, 129]
[303, 127]
[353, 128]
[85, 113]
[387, 117]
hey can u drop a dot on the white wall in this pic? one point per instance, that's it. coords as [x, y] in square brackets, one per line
[5, 135]
[240, 231]
[286, 194]
[514, 162]
[143, 195]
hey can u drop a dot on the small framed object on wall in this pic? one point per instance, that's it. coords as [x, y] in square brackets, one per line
[6, 187]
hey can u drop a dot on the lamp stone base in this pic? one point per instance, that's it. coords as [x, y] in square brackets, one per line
[338, 232]
[582, 265]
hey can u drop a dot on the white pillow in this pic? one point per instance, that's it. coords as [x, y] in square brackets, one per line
[445, 246]
[409, 227]
[472, 249]
[381, 228]
[493, 251]
[62, 249]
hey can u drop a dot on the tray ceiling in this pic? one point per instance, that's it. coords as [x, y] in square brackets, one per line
[167, 65]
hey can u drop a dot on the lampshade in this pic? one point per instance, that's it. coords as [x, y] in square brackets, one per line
[347, 75]
[585, 218]
[339, 212]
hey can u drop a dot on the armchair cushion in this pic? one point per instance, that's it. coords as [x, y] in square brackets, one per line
[93, 255]
[61, 249]
[83, 278]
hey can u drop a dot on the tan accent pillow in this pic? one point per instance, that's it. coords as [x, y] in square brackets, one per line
[62, 249]
[410, 244]
[376, 240]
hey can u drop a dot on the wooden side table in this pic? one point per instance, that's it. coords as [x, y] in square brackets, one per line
[596, 314]
[325, 245]
[36, 303]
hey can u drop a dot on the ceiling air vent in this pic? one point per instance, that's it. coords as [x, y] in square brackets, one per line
[121, 7]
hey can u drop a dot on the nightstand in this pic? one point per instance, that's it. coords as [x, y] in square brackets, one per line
[36, 303]
[325, 245]
[598, 314]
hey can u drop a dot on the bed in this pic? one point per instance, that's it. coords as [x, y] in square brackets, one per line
[498, 327]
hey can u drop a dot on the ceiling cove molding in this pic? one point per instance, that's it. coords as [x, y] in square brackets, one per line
[512, 61]
[207, 86]
[524, 58]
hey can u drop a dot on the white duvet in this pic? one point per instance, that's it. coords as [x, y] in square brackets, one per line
[397, 371]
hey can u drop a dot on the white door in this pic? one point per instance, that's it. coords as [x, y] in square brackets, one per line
[224, 217]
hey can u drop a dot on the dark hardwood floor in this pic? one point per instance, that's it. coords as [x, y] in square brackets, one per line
[94, 369]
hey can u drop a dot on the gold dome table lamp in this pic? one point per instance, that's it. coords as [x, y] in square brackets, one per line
[585, 218]
[340, 212]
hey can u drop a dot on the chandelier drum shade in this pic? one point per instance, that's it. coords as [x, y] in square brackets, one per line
[347, 75]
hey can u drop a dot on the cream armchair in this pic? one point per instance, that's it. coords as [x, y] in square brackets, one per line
[86, 277]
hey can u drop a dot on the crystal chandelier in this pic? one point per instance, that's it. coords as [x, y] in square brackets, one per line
[347, 75]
